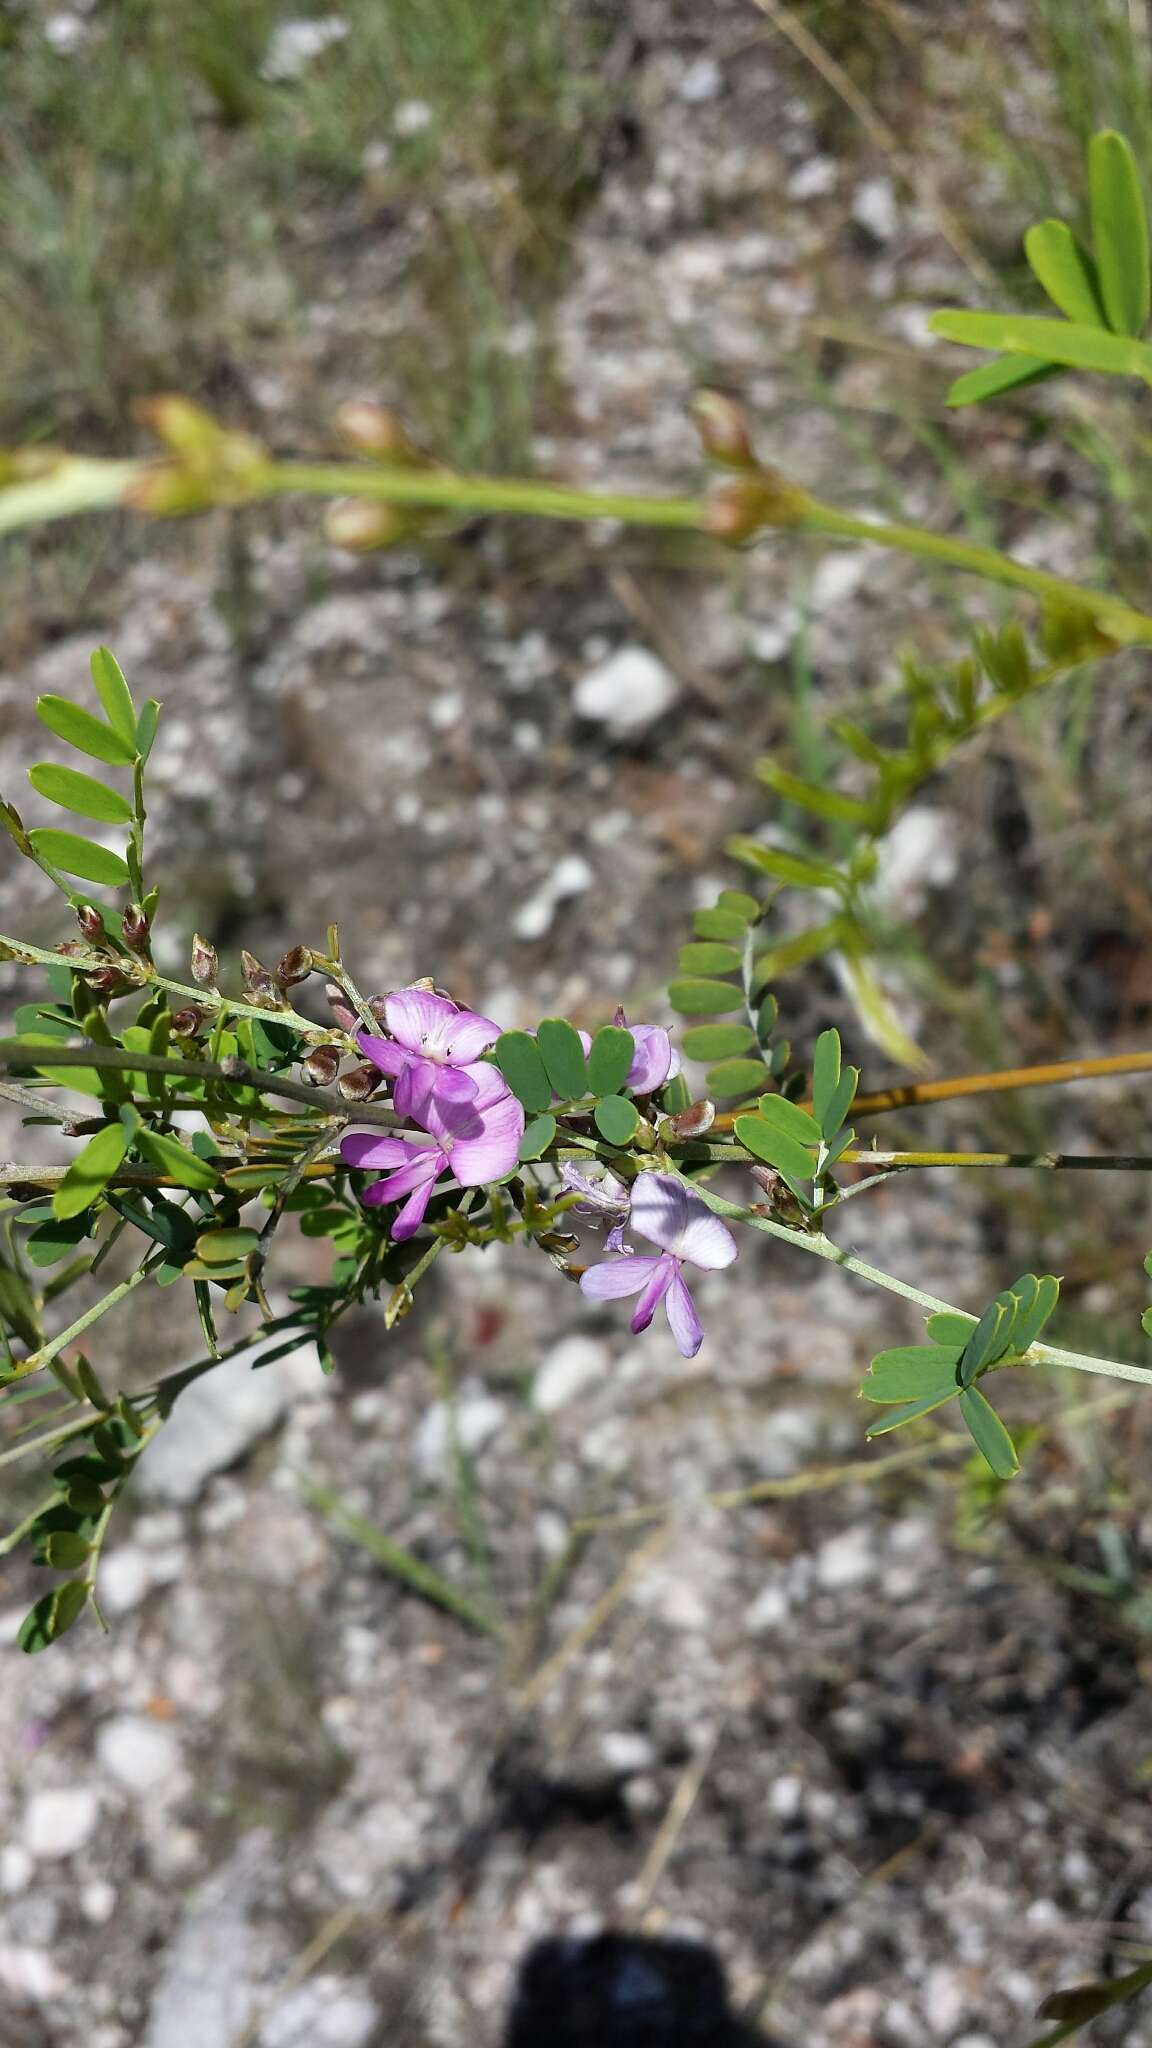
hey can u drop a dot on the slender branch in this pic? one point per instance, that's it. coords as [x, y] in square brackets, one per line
[16, 1054]
[36, 1360]
[916, 1093]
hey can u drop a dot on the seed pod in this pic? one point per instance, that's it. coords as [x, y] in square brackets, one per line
[360, 527]
[342, 1011]
[295, 966]
[186, 1023]
[359, 1083]
[135, 928]
[322, 1065]
[205, 963]
[691, 1122]
[723, 430]
[376, 430]
[90, 922]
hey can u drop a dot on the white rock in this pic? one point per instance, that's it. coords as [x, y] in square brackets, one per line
[701, 81]
[945, 1999]
[570, 877]
[141, 1754]
[786, 1796]
[220, 1417]
[874, 208]
[59, 1821]
[845, 1560]
[626, 1751]
[15, 1867]
[466, 1424]
[838, 577]
[576, 1364]
[769, 1610]
[206, 1993]
[29, 1973]
[98, 1901]
[412, 117]
[918, 854]
[294, 45]
[628, 692]
[815, 179]
[327, 2012]
[124, 1579]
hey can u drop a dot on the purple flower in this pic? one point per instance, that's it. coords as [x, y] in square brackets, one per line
[670, 1215]
[478, 1140]
[606, 1196]
[655, 1061]
[433, 1051]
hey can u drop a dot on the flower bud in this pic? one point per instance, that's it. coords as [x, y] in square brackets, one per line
[322, 1065]
[378, 1008]
[295, 966]
[135, 928]
[376, 430]
[342, 1011]
[723, 430]
[205, 964]
[739, 507]
[265, 990]
[360, 1082]
[692, 1122]
[90, 922]
[360, 527]
[108, 981]
[251, 968]
[186, 1023]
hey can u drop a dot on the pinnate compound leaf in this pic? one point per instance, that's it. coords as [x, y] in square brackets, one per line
[80, 857]
[1119, 231]
[114, 695]
[563, 1056]
[90, 1172]
[948, 1327]
[989, 1434]
[1054, 341]
[776, 1148]
[84, 731]
[913, 1372]
[790, 1118]
[521, 1062]
[80, 793]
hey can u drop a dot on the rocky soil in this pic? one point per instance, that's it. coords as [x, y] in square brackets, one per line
[878, 1746]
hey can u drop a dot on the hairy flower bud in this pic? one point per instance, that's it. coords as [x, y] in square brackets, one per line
[187, 1022]
[295, 966]
[266, 991]
[90, 922]
[378, 1006]
[376, 430]
[322, 1065]
[723, 430]
[342, 1011]
[135, 928]
[360, 527]
[108, 981]
[205, 964]
[737, 507]
[692, 1122]
[360, 1082]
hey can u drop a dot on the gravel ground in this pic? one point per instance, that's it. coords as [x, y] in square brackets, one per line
[874, 1747]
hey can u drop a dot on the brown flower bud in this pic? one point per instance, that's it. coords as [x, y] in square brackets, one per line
[322, 1065]
[108, 981]
[692, 1122]
[90, 922]
[376, 430]
[186, 1023]
[205, 964]
[342, 1012]
[295, 966]
[361, 527]
[135, 928]
[360, 1082]
[723, 430]
[251, 967]
[265, 990]
[378, 1007]
[738, 507]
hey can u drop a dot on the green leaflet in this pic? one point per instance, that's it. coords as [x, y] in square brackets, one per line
[80, 793]
[1119, 232]
[114, 695]
[90, 1171]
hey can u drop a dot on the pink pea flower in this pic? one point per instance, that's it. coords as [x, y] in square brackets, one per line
[434, 1049]
[605, 1197]
[656, 1059]
[477, 1140]
[670, 1215]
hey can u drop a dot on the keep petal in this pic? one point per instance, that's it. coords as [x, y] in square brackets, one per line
[494, 1151]
[469, 1036]
[662, 1279]
[653, 1061]
[683, 1320]
[420, 1021]
[421, 1169]
[408, 1219]
[618, 1277]
[383, 1053]
[660, 1208]
[704, 1240]
[424, 1081]
[367, 1148]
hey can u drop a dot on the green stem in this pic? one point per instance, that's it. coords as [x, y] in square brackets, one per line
[37, 1360]
[441, 488]
[15, 1053]
[1121, 620]
[147, 977]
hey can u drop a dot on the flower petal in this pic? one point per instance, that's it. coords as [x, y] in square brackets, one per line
[419, 1020]
[469, 1036]
[420, 1170]
[368, 1148]
[407, 1221]
[667, 1271]
[704, 1240]
[660, 1208]
[383, 1053]
[618, 1277]
[495, 1149]
[426, 1081]
[653, 1061]
[683, 1320]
